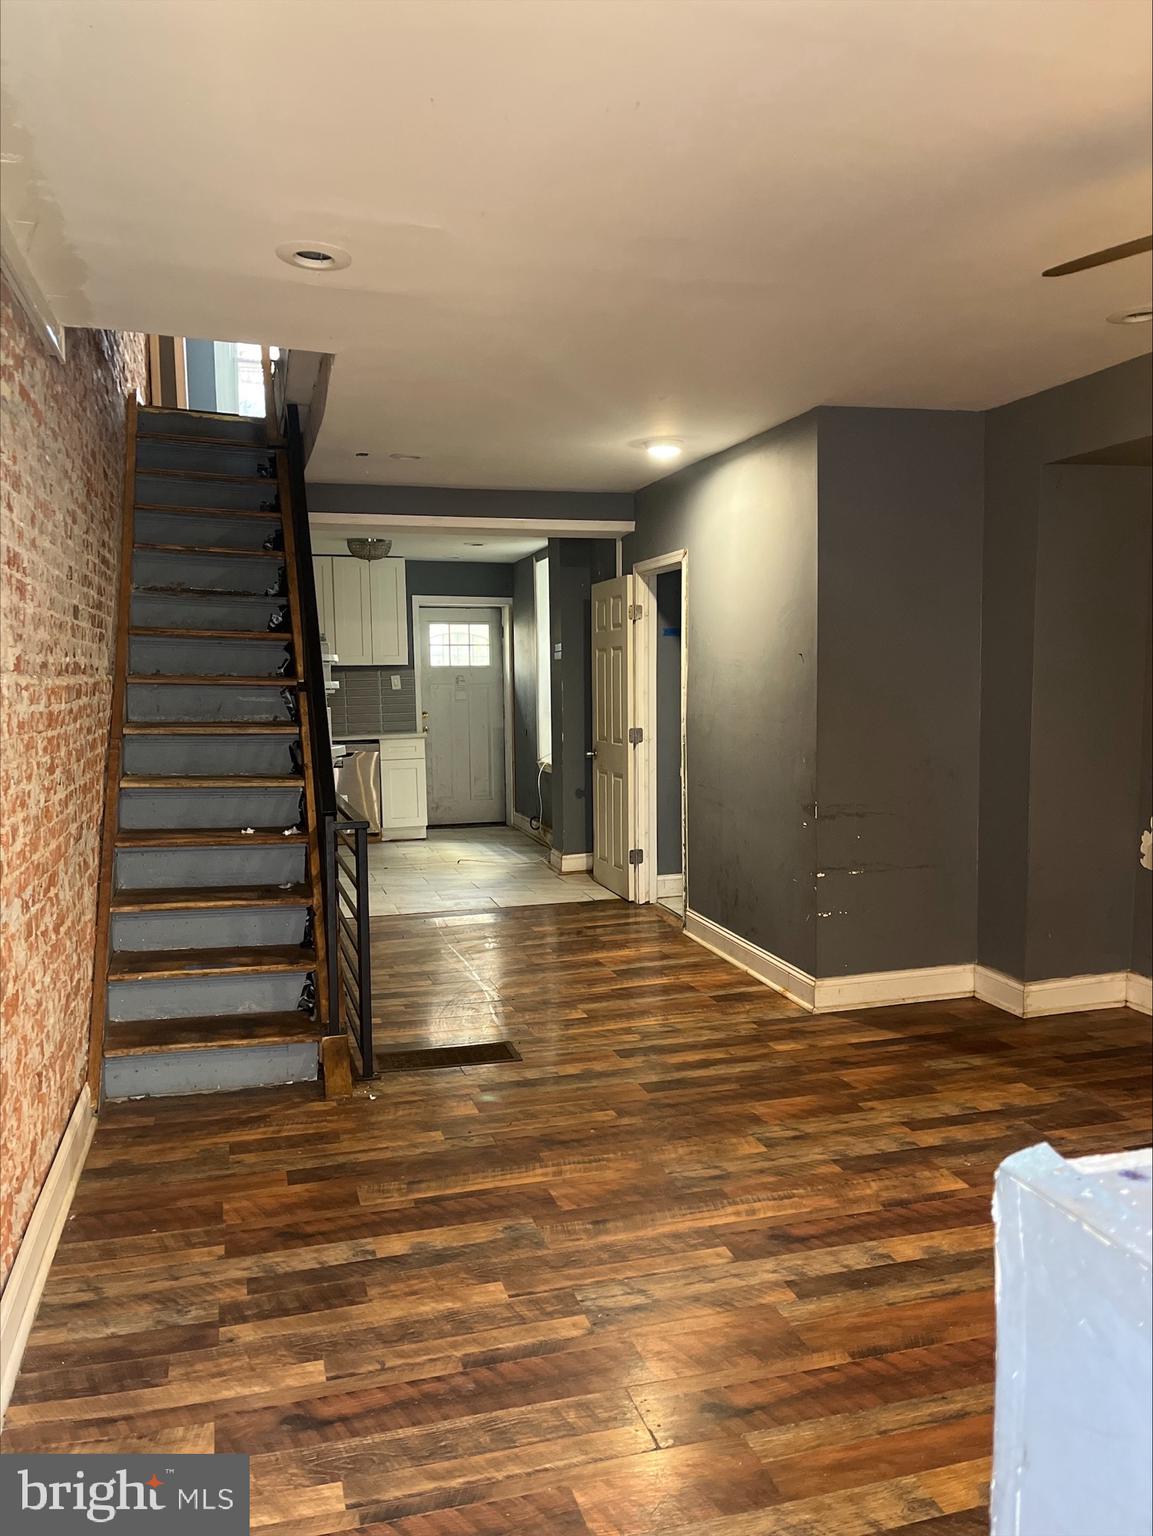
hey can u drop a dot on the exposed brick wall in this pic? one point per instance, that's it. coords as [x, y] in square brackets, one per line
[62, 442]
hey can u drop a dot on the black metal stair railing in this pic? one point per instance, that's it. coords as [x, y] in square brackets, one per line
[343, 838]
[350, 952]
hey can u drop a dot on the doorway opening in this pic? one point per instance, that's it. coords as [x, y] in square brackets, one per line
[662, 685]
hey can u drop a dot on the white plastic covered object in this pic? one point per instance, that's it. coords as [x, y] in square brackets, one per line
[1074, 1411]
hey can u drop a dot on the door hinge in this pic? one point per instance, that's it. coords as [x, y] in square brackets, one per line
[635, 611]
[636, 735]
[636, 856]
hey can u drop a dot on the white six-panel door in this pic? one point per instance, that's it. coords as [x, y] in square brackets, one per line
[612, 708]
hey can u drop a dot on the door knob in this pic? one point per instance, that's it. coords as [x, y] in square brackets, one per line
[593, 753]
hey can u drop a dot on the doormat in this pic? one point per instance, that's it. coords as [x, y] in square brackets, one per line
[446, 1056]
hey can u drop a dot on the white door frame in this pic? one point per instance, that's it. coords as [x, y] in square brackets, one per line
[645, 759]
[506, 670]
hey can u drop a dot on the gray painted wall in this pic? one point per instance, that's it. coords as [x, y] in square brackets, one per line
[574, 565]
[454, 578]
[1088, 705]
[668, 744]
[1113, 406]
[748, 518]
[526, 799]
[898, 685]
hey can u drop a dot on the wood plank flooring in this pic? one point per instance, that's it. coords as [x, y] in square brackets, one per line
[698, 1263]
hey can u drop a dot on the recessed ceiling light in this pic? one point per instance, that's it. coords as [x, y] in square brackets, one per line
[361, 454]
[408, 458]
[664, 448]
[1139, 316]
[475, 544]
[314, 255]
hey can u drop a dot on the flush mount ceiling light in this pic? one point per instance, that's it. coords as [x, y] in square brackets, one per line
[369, 549]
[407, 458]
[314, 255]
[1142, 315]
[663, 448]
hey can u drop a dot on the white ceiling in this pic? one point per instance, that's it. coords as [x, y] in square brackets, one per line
[579, 223]
[328, 538]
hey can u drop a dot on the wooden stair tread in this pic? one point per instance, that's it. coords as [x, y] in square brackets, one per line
[212, 781]
[243, 513]
[216, 551]
[215, 680]
[207, 837]
[170, 964]
[146, 472]
[136, 1037]
[193, 898]
[210, 728]
[161, 632]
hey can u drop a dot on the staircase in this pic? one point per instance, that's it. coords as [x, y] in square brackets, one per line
[210, 963]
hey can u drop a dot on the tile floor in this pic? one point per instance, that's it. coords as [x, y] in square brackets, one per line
[466, 869]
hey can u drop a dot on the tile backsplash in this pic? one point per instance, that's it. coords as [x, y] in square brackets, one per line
[367, 704]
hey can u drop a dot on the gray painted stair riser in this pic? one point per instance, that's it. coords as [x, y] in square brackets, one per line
[176, 572]
[156, 868]
[227, 808]
[221, 459]
[210, 929]
[205, 702]
[173, 1072]
[231, 532]
[175, 610]
[191, 424]
[191, 997]
[150, 654]
[184, 490]
[209, 754]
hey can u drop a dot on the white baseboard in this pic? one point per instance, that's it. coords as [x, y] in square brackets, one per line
[1074, 994]
[878, 989]
[1139, 992]
[570, 863]
[771, 969]
[30, 1270]
[524, 824]
[670, 885]
[1004, 992]
[1061, 994]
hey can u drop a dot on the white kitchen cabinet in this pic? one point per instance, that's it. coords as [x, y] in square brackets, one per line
[389, 610]
[362, 610]
[403, 787]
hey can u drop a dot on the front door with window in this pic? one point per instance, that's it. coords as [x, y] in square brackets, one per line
[462, 695]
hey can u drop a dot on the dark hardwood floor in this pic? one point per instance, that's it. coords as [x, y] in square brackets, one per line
[699, 1263]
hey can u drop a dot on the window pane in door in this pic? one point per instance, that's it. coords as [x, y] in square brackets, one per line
[459, 645]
